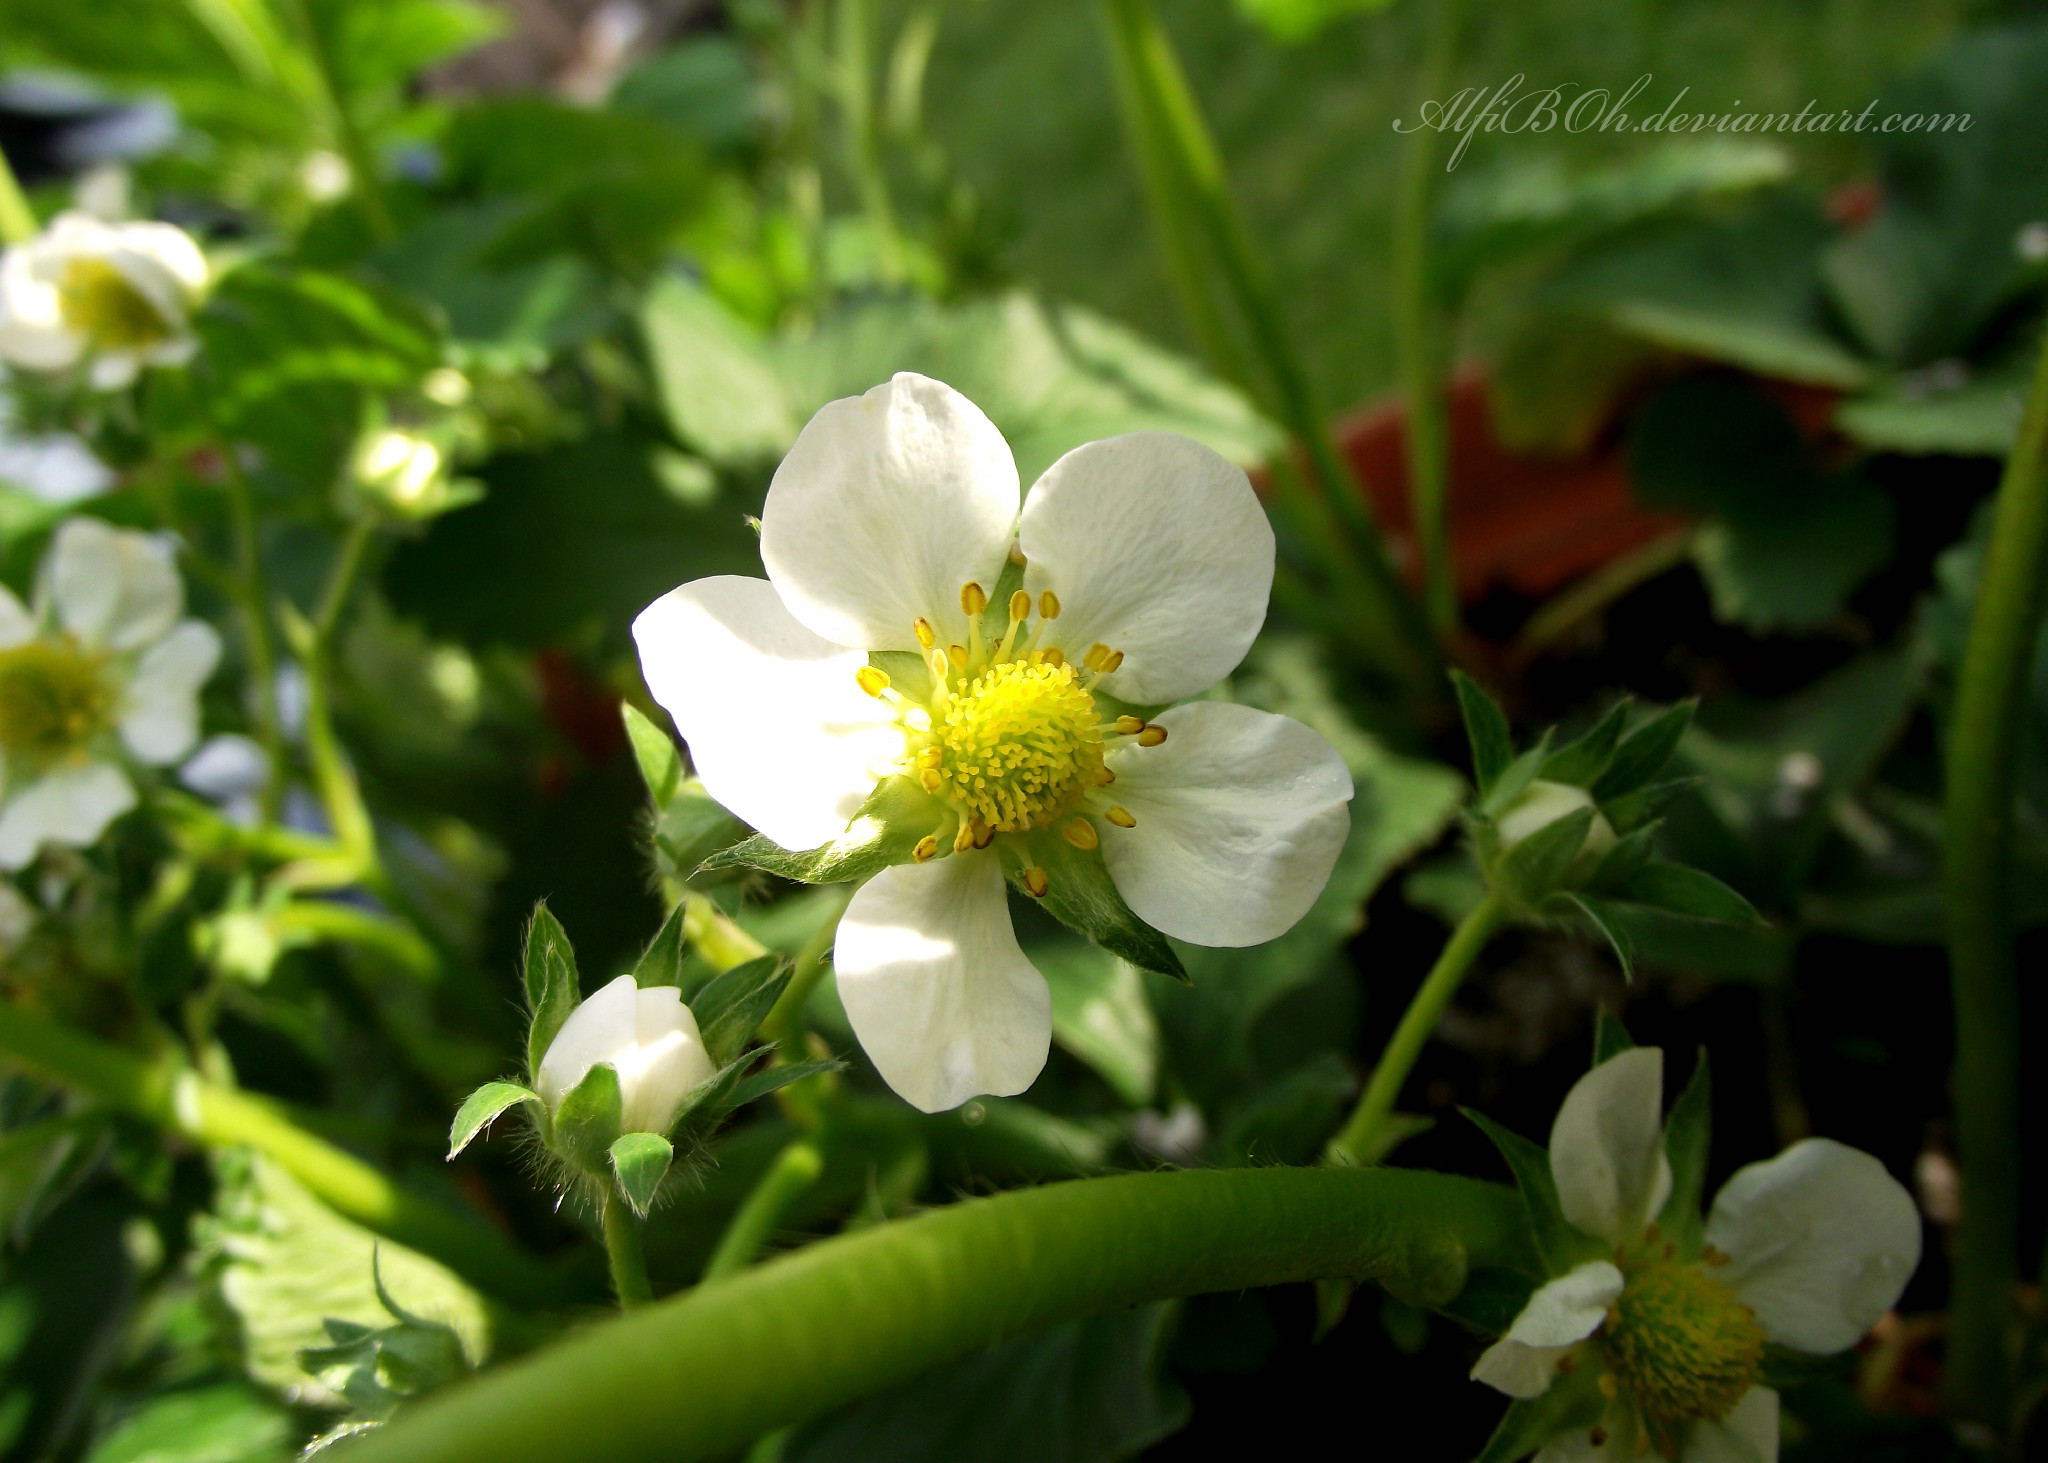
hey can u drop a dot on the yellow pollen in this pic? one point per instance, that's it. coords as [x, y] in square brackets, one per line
[925, 635]
[1130, 726]
[1018, 746]
[1121, 817]
[1020, 605]
[929, 758]
[1682, 1346]
[927, 848]
[1081, 833]
[1151, 736]
[1036, 882]
[1048, 604]
[54, 698]
[973, 599]
[872, 679]
[958, 655]
[95, 299]
[983, 834]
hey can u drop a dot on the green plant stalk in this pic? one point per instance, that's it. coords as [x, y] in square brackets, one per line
[795, 1169]
[333, 779]
[854, 69]
[366, 186]
[17, 220]
[702, 1374]
[784, 1022]
[625, 1248]
[715, 937]
[250, 596]
[1417, 335]
[172, 1096]
[1976, 877]
[1364, 1132]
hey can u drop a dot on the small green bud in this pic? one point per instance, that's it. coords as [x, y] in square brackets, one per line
[1543, 803]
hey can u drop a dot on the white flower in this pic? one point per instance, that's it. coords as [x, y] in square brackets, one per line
[102, 667]
[118, 296]
[649, 1037]
[1147, 566]
[1807, 1250]
[56, 467]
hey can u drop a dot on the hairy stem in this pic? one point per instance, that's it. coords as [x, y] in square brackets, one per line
[795, 1169]
[1977, 877]
[1364, 1134]
[623, 1246]
[701, 1374]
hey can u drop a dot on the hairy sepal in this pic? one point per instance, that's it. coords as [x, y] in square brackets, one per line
[552, 985]
[481, 1107]
[640, 1161]
[729, 1008]
[1081, 895]
[895, 818]
[588, 1119]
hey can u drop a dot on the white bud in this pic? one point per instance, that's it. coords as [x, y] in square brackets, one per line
[647, 1036]
[1543, 803]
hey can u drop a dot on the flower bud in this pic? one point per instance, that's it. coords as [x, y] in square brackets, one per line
[1543, 803]
[646, 1036]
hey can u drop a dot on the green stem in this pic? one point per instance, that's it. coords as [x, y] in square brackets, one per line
[17, 220]
[795, 1169]
[714, 936]
[628, 1255]
[1977, 888]
[333, 779]
[855, 76]
[1364, 1135]
[1417, 330]
[785, 1020]
[250, 596]
[341, 578]
[174, 1097]
[702, 1374]
[367, 186]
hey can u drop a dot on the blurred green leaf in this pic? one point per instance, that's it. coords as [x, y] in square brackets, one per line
[721, 392]
[1950, 407]
[1291, 1118]
[1688, 1135]
[1100, 1014]
[1486, 730]
[705, 87]
[230, 1423]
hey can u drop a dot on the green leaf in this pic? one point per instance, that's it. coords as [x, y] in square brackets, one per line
[897, 815]
[1967, 413]
[730, 1007]
[1536, 866]
[1643, 753]
[1610, 1037]
[1559, 1246]
[480, 1107]
[659, 759]
[1100, 1014]
[226, 1423]
[661, 963]
[1572, 1403]
[756, 1085]
[1605, 921]
[1694, 893]
[720, 390]
[1081, 895]
[1581, 762]
[587, 1120]
[1633, 810]
[1291, 22]
[552, 985]
[1291, 1118]
[1486, 728]
[1688, 1134]
[640, 1161]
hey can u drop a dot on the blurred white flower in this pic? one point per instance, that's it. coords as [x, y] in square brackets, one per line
[649, 1037]
[17, 918]
[1147, 566]
[116, 297]
[1807, 1250]
[230, 770]
[56, 467]
[102, 669]
[325, 176]
[103, 191]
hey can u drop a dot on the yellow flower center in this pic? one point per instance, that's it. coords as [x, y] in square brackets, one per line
[54, 698]
[1681, 1344]
[1018, 745]
[96, 300]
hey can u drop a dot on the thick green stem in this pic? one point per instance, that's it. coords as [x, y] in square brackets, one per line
[1417, 332]
[167, 1093]
[17, 220]
[624, 1247]
[1364, 1135]
[795, 1169]
[702, 1374]
[1977, 873]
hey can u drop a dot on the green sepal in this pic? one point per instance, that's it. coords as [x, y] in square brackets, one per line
[1516, 776]
[908, 671]
[1572, 1402]
[995, 619]
[1683, 890]
[729, 1007]
[587, 1120]
[552, 985]
[895, 818]
[1643, 752]
[691, 827]
[640, 1162]
[1081, 895]
[1581, 762]
[661, 963]
[1537, 866]
[480, 1107]
[1610, 1037]
[1630, 854]
[1688, 1132]
[661, 765]
[1486, 728]
[1559, 1245]
[1632, 810]
[1605, 919]
[756, 1085]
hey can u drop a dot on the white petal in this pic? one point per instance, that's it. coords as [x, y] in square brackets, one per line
[599, 1030]
[1822, 1241]
[227, 767]
[1240, 817]
[885, 506]
[1749, 1434]
[1156, 546]
[160, 720]
[776, 725]
[16, 623]
[112, 370]
[1607, 1147]
[57, 467]
[668, 1059]
[112, 587]
[68, 805]
[940, 995]
[162, 262]
[1518, 1370]
[1569, 1308]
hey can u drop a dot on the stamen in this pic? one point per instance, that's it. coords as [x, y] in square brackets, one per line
[1036, 882]
[1151, 736]
[958, 655]
[1121, 817]
[1017, 554]
[929, 779]
[940, 670]
[973, 599]
[1053, 656]
[1110, 662]
[1130, 726]
[927, 848]
[925, 635]
[1098, 653]
[930, 757]
[872, 679]
[1081, 833]
[1048, 604]
[964, 839]
[1020, 606]
[983, 834]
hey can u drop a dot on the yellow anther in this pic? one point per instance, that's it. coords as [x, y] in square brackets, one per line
[1020, 605]
[983, 834]
[958, 655]
[964, 839]
[1121, 817]
[1097, 655]
[1048, 604]
[1017, 554]
[925, 635]
[1129, 726]
[872, 679]
[940, 668]
[1081, 833]
[1052, 656]
[1111, 661]
[973, 598]
[927, 848]
[1151, 736]
[930, 757]
[1105, 778]
[929, 779]
[1036, 882]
